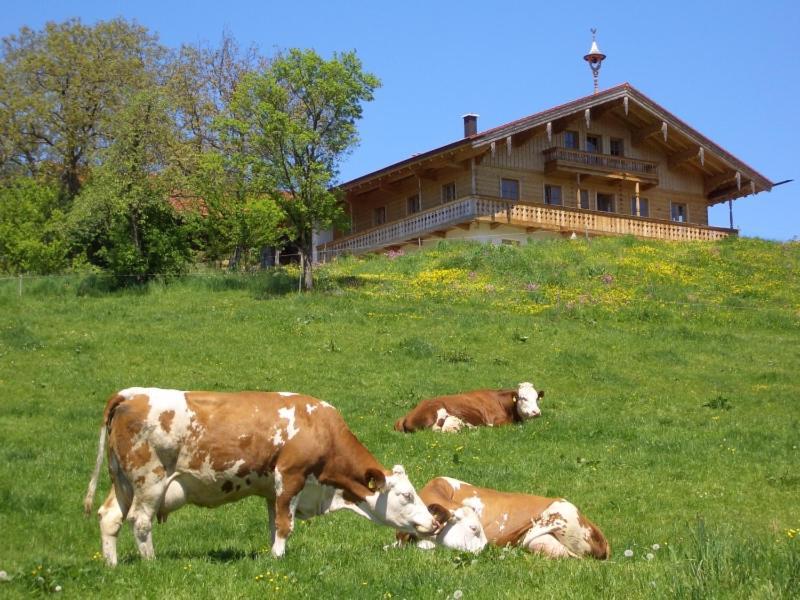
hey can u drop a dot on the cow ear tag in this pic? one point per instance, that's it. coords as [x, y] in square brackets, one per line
[371, 484]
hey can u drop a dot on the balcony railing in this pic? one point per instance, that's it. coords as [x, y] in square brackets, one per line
[529, 215]
[561, 159]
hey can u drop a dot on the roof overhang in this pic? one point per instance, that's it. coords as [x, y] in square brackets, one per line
[725, 176]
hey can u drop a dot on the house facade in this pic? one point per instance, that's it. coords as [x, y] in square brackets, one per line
[614, 163]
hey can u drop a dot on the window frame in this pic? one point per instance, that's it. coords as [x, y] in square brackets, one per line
[644, 203]
[621, 142]
[577, 138]
[612, 199]
[588, 206]
[599, 139]
[685, 206]
[413, 204]
[502, 189]
[378, 216]
[447, 186]
[550, 187]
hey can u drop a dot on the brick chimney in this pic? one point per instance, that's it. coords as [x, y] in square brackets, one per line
[470, 125]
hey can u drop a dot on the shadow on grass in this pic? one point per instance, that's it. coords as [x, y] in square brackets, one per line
[218, 555]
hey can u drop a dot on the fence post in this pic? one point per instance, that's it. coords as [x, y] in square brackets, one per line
[20, 285]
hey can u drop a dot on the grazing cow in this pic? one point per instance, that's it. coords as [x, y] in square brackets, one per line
[551, 526]
[167, 448]
[481, 407]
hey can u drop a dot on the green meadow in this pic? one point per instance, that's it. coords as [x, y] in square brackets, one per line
[671, 416]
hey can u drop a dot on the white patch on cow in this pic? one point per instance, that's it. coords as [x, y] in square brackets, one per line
[426, 545]
[572, 534]
[447, 423]
[288, 414]
[278, 483]
[277, 438]
[310, 408]
[287, 393]
[325, 404]
[463, 531]
[475, 503]
[502, 524]
[454, 483]
[527, 401]
[398, 505]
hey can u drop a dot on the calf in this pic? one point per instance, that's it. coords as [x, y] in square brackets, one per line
[551, 526]
[480, 407]
[167, 448]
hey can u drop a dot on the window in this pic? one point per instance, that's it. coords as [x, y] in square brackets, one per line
[379, 215]
[552, 194]
[509, 189]
[616, 147]
[571, 140]
[412, 204]
[448, 192]
[605, 202]
[584, 199]
[593, 143]
[644, 207]
[678, 212]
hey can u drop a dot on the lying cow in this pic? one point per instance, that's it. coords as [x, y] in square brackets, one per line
[167, 448]
[481, 407]
[551, 526]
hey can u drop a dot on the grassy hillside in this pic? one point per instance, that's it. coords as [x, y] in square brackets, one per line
[671, 415]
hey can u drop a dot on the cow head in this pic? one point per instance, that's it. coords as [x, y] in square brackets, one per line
[396, 503]
[528, 401]
[460, 529]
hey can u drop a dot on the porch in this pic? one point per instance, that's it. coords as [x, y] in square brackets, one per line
[532, 217]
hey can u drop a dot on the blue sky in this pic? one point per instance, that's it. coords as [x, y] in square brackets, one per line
[729, 69]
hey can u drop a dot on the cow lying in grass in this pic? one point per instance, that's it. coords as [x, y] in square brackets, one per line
[550, 526]
[167, 448]
[480, 407]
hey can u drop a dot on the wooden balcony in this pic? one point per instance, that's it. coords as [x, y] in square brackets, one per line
[566, 161]
[530, 216]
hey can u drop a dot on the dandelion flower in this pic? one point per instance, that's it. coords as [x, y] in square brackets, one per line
[457, 595]
[656, 547]
[57, 588]
[628, 553]
[649, 556]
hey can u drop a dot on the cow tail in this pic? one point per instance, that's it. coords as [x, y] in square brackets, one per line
[111, 405]
[88, 501]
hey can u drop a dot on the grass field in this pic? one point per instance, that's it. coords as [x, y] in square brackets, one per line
[671, 416]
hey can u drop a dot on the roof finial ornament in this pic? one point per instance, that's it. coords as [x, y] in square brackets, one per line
[595, 58]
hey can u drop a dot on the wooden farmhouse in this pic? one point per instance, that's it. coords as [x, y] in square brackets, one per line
[613, 163]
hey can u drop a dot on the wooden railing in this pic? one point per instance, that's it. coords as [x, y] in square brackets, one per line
[603, 162]
[537, 216]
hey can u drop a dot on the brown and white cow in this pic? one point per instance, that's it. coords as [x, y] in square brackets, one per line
[167, 448]
[551, 526]
[480, 407]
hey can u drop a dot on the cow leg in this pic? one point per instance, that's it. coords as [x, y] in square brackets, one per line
[288, 486]
[542, 538]
[271, 520]
[146, 502]
[111, 515]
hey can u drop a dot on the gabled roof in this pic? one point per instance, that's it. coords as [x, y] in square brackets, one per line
[725, 175]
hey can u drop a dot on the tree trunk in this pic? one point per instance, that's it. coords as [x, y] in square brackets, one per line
[308, 273]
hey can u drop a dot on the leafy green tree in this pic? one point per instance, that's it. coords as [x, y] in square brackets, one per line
[31, 228]
[60, 90]
[296, 121]
[123, 217]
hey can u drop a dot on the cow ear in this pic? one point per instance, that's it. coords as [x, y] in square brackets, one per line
[541, 395]
[514, 397]
[376, 480]
[440, 513]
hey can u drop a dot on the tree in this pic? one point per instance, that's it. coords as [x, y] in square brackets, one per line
[123, 217]
[31, 228]
[296, 121]
[60, 90]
